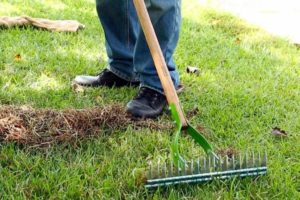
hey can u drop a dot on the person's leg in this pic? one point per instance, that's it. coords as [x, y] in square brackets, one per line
[119, 22]
[166, 19]
[120, 25]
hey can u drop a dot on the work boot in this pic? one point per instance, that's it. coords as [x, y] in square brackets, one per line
[147, 104]
[105, 78]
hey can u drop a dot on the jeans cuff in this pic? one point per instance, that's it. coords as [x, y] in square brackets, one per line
[152, 88]
[118, 73]
[122, 75]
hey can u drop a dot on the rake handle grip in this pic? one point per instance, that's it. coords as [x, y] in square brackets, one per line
[158, 58]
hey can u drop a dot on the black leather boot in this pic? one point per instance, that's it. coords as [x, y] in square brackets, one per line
[147, 104]
[105, 78]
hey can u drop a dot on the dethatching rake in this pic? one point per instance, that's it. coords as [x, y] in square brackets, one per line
[200, 170]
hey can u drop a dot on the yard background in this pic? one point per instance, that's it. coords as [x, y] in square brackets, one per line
[249, 83]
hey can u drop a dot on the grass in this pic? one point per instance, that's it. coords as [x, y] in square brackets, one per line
[249, 84]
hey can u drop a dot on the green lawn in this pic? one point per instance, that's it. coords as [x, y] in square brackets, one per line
[249, 83]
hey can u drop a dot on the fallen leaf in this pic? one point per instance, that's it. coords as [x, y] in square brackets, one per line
[18, 57]
[201, 129]
[77, 88]
[193, 70]
[238, 41]
[230, 152]
[192, 113]
[279, 132]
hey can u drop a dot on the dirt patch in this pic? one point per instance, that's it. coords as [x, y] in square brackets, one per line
[230, 152]
[192, 113]
[41, 127]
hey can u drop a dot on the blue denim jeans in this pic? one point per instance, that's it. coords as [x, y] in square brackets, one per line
[127, 50]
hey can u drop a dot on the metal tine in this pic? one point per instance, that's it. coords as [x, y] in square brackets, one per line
[171, 169]
[198, 166]
[246, 160]
[150, 170]
[259, 164]
[214, 163]
[253, 159]
[233, 161]
[165, 169]
[220, 163]
[158, 168]
[178, 168]
[204, 165]
[209, 164]
[265, 159]
[223, 163]
[226, 162]
[212, 166]
[192, 167]
[240, 160]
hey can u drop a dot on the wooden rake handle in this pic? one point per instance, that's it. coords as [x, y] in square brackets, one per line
[158, 58]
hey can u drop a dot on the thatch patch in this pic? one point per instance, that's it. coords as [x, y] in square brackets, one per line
[42, 127]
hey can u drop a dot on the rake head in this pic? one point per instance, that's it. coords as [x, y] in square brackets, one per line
[203, 169]
[206, 169]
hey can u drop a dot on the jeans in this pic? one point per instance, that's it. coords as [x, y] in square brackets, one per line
[127, 50]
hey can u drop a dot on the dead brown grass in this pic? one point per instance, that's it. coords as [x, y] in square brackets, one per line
[43, 127]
